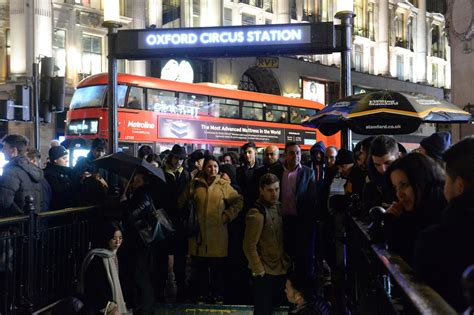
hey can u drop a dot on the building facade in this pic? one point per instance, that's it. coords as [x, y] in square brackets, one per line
[460, 30]
[399, 45]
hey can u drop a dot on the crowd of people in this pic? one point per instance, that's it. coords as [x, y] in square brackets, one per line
[263, 226]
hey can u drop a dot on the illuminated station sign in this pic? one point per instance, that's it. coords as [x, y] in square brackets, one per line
[275, 39]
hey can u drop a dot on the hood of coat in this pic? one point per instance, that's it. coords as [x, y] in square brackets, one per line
[34, 172]
[317, 147]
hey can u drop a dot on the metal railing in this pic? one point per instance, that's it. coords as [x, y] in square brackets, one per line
[40, 255]
[377, 281]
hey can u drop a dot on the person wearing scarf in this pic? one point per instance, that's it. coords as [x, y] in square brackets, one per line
[99, 277]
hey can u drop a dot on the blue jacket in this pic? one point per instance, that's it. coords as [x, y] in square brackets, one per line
[306, 193]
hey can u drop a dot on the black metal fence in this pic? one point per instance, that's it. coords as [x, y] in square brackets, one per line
[377, 281]
[40, 255]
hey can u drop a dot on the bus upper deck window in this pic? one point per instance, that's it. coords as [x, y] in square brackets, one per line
[251, 110]
[227, 108]
[135, 98]
[276, 113]
[295, 115]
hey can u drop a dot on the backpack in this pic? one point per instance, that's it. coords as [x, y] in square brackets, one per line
[262, 210]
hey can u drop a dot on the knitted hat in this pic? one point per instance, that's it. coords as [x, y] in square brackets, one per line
[436, 144]
[229, 169]
[57, 152]
[344, 156]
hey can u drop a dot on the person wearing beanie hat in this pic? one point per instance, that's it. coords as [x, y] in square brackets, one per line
[229, 172]
[345, 166]
[58, 155]
[60, 178]
[435, 145]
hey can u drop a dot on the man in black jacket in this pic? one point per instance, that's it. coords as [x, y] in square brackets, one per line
[444, 251]
[86, 165]
[177, 178]
[20, 178]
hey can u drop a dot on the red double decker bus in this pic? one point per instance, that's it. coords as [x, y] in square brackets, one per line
[161, 112]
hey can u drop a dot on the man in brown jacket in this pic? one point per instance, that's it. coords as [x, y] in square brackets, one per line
[263, 246]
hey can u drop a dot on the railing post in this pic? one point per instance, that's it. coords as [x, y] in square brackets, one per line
[30, 210]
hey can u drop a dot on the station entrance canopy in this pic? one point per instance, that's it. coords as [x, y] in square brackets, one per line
[232, 41]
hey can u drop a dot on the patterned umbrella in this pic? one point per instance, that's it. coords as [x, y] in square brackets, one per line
[385, 112]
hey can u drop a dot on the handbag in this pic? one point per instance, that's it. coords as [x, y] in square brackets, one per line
[191, 223]
[154, 226]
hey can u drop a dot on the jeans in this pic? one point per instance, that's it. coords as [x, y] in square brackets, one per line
[268, 292]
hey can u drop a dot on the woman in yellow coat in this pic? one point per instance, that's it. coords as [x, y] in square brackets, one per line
[216, 204]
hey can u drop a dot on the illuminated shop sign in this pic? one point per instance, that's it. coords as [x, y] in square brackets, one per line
[251, 40]
[300, 34]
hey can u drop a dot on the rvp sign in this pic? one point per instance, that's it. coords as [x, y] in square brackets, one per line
[268, 62]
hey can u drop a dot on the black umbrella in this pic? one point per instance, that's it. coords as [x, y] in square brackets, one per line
[126, 165]
[385, 112]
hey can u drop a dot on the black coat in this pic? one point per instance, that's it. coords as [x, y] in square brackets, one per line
[444, 251]
[20, 179]
[401, 233]
[61, 180]
[246, 181]
[97, 290]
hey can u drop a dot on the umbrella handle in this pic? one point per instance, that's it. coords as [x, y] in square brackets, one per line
[129, 181]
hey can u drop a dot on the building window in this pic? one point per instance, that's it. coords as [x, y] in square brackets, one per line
[8, 51]
[371, 21]
[409, 37]
[324, 10]
[308, 10]
[359, 23]
[171, 11]
[437, 75]
[263, 4]
[196, 12]
[410, 74]
[248, 19]
[91, 55]
[436, 42]
[400, 30]
[247, 84]
[59, 51]
[400, 68]
[293, 9]
[227, 16]
[358, 57]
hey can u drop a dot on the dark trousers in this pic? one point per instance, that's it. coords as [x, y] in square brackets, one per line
[209, 273]
[299, 240]
[268, 292]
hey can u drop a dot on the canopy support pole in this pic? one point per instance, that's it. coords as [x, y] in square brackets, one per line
[345, 88]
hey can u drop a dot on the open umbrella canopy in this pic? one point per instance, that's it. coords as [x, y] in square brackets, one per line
[126, 165]
[385, 112]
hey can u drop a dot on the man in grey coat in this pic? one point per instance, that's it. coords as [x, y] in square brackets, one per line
[20, 178]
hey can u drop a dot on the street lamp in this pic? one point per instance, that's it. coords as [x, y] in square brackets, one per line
[346, 16]
[112, 22]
